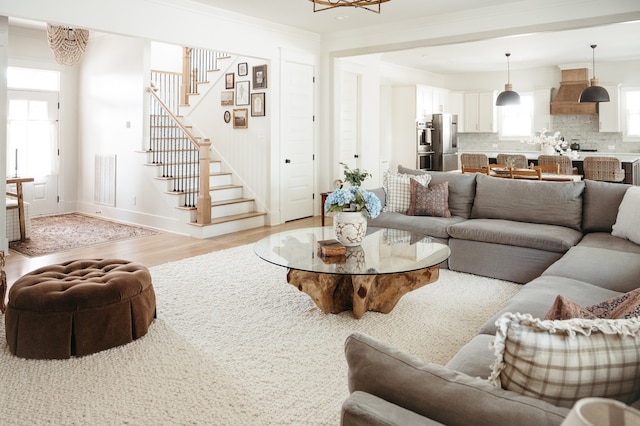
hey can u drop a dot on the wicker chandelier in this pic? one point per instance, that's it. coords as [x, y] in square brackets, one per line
[67, 43]
[371, 5]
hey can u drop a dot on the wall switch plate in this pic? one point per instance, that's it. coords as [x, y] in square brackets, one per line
[612, 147]
[495, 145]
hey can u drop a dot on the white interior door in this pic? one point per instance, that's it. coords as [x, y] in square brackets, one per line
[32, 146]
[297, 141]
[349, 119]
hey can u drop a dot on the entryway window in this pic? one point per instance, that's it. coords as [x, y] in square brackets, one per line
[516, 121]
[631, 112]
[33, 79]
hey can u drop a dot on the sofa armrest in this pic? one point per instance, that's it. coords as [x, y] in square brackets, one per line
[435, 392]
[364, 409]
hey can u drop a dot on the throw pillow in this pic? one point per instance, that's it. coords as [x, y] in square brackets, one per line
[563, 361]
[626, 305]
[428, 201]
[396, 186]
[627, 224]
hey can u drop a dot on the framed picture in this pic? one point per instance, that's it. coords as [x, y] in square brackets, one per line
[257, 104]
[240, 118]
[227, 116]
[242, 93]
[260, 77]
[226, 98]
[229, 79]
[243, 69]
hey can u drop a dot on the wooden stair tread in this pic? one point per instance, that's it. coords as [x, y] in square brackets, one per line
[232, 201]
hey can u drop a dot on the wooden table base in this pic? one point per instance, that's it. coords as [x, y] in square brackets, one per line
[335, 293]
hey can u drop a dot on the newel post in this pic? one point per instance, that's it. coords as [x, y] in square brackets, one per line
[185, 88]
[203, 215]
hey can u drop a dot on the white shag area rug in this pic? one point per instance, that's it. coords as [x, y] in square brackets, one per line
[234, 344]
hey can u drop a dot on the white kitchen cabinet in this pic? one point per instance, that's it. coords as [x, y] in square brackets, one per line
[541, 109]
[479, 112]
[609, 112]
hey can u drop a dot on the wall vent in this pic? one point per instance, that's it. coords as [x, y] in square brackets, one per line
[105, 182]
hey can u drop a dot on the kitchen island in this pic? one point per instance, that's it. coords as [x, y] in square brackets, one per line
[630, 161]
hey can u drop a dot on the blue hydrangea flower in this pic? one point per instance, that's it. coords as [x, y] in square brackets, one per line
[353, 198]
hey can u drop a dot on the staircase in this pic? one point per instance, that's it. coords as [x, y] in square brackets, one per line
[211, 202]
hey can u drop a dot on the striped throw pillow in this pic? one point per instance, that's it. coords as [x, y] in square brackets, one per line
[563, 361]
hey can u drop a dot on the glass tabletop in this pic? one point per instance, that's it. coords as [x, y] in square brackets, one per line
[383, 251]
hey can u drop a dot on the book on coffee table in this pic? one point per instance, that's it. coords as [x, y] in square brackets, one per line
[330, 248]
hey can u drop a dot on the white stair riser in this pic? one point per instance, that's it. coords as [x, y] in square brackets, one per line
[231, 209]
[219, 180]
[233, 226]
[226, 194]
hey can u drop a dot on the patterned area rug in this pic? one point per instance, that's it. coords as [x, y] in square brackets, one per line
[53, 234]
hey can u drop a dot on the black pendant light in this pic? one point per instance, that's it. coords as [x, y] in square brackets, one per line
[508, 97]
[594, 93]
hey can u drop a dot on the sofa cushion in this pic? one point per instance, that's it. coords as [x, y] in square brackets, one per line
[396, 186]
[490, 260]
[520, 234]
[462, 189]
[563, 361]
[425, 225]
[364, 409]
[553, 203]
[475, 358]
[537, 296]
[605, 240]
[429, 201]
[627, 224]
[429, 389]
[599, 205]
[609, 269]
[626, 305]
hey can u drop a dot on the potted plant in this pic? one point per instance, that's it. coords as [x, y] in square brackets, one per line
[353, 205]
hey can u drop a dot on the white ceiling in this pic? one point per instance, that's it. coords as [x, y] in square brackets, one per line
[615, 42]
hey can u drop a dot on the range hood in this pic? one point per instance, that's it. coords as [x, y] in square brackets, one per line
[574, 81]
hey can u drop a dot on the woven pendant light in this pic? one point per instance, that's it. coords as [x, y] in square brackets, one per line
[67, 43]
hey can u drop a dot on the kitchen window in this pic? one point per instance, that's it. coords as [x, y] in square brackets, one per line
[516, 121]
[631, 113]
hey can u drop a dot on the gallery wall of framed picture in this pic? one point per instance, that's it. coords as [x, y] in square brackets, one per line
[246, 87]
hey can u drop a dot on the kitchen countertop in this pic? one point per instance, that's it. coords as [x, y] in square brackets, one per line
[625, 157]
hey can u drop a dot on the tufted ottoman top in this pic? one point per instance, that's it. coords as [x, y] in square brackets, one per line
[78, 285]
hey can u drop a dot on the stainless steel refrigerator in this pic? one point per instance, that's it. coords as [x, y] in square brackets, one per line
[444, 141]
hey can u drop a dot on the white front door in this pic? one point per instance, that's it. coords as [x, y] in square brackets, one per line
[32, 146]
[297, 164]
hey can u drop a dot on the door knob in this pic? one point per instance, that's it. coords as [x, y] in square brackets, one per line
[287, 161]
[355, 156]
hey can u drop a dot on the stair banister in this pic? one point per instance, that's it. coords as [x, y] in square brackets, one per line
[203, 214]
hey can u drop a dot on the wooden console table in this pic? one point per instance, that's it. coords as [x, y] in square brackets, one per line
[19, 195]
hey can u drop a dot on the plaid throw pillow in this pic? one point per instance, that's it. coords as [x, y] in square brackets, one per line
[429, 201]
[396, 186]
[563, 361]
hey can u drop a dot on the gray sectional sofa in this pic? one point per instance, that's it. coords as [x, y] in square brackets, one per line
[552, 237]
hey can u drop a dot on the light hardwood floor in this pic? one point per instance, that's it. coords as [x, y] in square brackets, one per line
[152, 250]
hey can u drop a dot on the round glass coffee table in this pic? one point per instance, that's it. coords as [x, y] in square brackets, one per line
[370, 277]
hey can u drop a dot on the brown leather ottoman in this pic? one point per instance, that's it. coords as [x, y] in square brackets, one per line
[79, 308]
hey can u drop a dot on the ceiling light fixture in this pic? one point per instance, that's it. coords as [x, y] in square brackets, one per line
[67, 43]
[508, 97]
[371, 5]
[594, 93]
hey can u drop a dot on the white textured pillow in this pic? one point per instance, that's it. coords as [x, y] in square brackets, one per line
[563, 361]
[398, 190]
[628, 221]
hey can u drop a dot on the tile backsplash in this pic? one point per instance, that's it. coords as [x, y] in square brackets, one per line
[580, 128]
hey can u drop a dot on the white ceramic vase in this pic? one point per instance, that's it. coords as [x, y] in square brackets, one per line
[350, 228]
[548, 150]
